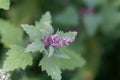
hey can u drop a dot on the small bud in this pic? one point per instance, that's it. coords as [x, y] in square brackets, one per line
[30, 41]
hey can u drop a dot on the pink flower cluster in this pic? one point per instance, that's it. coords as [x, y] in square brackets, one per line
[56, 41]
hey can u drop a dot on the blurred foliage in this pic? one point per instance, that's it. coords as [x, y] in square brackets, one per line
[69, 16]
[10, 33]
[98, 40]
[4, 4]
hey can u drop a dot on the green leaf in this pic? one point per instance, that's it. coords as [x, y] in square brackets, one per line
[92, 23]
[66, 34]
[73, 62]
[17, 59]
[41, 28]
[45, 24]
[58, 53]
[33, 32]
[69, 16]
[10, 33]
[51, 65]
[51, 51]
[4, 4]
[35, 46]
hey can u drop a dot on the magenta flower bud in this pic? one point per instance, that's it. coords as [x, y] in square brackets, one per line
[69, 40]
[56, 41]
[50, 40]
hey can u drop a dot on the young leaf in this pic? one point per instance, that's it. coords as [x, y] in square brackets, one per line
[73, 62]
[51, 65]
[4, 4]
[67, 34]
[51, 51]
[42, 28]
[17, 59]
[10, 34]
[58, 53]
[35, 46]
[45, 24]
[33, 32]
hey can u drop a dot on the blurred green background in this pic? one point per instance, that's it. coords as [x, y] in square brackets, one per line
[97, 23]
